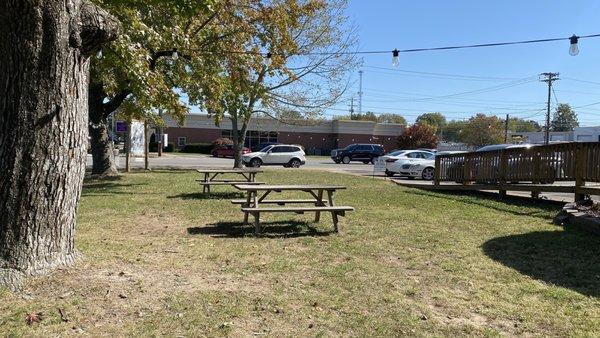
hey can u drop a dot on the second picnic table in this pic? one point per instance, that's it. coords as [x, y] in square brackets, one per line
[210, 177]
[252, 203]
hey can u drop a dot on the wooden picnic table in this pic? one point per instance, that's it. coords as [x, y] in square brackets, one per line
[210, 177]
[252, 203]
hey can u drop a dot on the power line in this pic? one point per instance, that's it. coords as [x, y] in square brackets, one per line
[394, 94]
[480, 91]
[442, 75]
[582, 81]
[555, 98]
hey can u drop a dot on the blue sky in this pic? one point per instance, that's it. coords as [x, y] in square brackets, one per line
[389, 24]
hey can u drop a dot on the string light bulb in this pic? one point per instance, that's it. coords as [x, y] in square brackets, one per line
[268, 59]
[574, 49]
[99, 54]
[395, 58]
[175, 55]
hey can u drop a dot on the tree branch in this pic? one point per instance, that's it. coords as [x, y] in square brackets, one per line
[115, 102]
[96, 28]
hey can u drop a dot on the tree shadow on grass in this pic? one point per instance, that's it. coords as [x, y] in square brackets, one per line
[108, 186]
[279, 229]
[208, 196]
[569, 258]
[547, 208]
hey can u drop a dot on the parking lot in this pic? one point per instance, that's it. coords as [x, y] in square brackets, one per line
[196, 161]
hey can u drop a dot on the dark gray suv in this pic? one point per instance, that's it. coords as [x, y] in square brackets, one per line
[365, 153]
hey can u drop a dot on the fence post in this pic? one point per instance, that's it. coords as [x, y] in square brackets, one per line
[580, 169]
[502, 172]
[467, 170]
[437, 172]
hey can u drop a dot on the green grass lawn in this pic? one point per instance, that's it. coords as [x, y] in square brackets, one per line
[162, 259]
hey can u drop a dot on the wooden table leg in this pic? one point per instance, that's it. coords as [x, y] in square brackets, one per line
[319, 203]
[205, 185]
[334, 214]
[256, 222]
[248, 201]
[256, 214]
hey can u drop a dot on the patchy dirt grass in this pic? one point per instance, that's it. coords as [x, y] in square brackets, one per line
[162, 259]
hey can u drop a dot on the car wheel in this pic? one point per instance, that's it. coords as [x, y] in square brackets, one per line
[366, 162]
[295, 163]
[428, 174]
[255, 162]
[389, 173]
[346, 160]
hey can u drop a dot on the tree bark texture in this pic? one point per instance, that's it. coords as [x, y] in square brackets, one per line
[44, 50]
[102, 148]
[239, 139]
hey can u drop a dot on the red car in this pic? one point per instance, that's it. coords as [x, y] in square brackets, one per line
[227, 151]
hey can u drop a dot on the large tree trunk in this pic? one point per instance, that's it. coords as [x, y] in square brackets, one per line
[103, 158]
[44, 50]
[239, 138]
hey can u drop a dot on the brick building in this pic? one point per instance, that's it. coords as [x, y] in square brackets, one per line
[317, 137]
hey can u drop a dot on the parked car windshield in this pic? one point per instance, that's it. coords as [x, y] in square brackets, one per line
[396, 153]
[266, 149]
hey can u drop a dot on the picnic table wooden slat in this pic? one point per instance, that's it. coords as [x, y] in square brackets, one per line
[279, 201]
[225, 183]
[253, 201]
[289, 187]
[228, 171]
[210, 177]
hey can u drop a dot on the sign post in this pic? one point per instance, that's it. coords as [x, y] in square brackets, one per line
[378, 166]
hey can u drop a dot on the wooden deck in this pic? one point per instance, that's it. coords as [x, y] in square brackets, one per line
[502, 188]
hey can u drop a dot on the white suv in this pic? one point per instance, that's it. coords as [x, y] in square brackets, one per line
[279, 154]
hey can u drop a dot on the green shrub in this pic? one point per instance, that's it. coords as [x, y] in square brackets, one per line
[198, 148]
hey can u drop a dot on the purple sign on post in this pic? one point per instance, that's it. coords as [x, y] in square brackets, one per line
[121, 126]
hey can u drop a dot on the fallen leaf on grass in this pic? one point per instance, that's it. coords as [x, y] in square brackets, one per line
[31, 318]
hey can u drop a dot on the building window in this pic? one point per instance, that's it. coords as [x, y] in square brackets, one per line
[226, 134]
[255, 138]
[181, 141]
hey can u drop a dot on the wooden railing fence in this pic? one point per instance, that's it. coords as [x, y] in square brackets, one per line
[543, 164]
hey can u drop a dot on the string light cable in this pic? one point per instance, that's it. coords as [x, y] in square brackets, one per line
[573, 48]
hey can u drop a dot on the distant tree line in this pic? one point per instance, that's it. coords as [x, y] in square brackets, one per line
[478, 130]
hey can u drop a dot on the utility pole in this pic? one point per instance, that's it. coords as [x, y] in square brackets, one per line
[360, 92]
[506, 130]
[548, 78]
[351, 108]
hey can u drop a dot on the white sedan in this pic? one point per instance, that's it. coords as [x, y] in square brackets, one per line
[412, 164]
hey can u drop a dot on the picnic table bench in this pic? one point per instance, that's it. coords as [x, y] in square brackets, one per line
[210, 177]
[252, 203]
